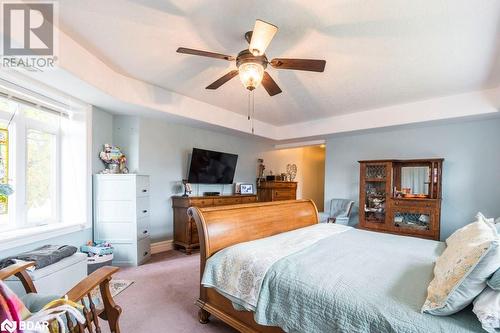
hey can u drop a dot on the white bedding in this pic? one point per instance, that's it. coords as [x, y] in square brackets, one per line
[237, 271]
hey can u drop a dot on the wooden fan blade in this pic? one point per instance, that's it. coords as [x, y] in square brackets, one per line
[204, 53]
[271, 87]
[299, 64]
[216, 84]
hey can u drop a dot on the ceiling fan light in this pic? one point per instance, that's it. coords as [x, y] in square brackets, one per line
[262, 35]
[251, 74]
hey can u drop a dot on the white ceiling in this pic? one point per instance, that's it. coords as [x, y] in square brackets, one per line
[379, 53]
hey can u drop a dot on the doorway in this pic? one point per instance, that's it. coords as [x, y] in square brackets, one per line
[313, 175]
[310, 162]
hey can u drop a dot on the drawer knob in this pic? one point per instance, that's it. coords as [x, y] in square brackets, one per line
[146, 253]
[144, 191]
[145, 211]
[145, 232]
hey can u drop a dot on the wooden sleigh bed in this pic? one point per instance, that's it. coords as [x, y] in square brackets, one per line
[221, 227]
[326, 278]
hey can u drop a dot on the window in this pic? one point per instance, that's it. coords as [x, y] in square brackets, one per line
[29, 162]
[41, 173]
[45, 158]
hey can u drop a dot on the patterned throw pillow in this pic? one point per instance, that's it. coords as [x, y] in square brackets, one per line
[472, 255]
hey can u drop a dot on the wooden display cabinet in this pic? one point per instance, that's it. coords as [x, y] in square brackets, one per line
[401, 196]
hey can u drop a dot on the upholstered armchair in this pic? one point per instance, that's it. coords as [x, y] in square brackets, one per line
[340, 212]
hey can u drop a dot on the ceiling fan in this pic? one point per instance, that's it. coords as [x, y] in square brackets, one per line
[252, 62]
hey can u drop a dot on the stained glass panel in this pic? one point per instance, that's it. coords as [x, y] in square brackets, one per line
[375, 171]
[4, 168]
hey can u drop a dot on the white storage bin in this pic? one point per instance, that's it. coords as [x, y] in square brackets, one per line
[55, 279]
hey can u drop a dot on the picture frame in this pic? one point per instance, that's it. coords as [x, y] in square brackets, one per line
[246, 188]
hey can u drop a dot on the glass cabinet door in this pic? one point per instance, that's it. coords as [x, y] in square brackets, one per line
[412, 219]
[377, 184]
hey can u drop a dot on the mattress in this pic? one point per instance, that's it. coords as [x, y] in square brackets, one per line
[347, 280]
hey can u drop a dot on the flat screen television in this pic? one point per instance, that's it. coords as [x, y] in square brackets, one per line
[211, 167]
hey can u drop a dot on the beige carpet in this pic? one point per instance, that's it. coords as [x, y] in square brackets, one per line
[162, 297]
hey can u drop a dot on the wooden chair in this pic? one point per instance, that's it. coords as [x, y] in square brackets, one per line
[81, 293]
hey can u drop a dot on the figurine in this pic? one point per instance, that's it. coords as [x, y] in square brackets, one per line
[113, 159]
[291, 170]
[260, 174]
[262, 167]
[123, 164]
[187, 188]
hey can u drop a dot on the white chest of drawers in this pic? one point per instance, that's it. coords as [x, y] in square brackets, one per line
[121, 216]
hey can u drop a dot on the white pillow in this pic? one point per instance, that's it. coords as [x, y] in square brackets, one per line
[472, 255]
[460, 232]
[487, 309]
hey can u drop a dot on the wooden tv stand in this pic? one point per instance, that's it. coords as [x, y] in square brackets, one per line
[185, 232]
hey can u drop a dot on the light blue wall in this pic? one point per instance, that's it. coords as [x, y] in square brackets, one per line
[471, 179]
[126, 136]
[161, 149]
[471, 175]
[102, 132]
[164, 153]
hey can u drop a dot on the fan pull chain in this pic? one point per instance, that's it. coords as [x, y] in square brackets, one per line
[249, 92]
[253, 110]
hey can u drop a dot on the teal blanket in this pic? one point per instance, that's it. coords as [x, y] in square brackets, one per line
[353, 281]
[237, 271]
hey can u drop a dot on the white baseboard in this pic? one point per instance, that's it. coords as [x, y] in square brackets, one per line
[163, 246]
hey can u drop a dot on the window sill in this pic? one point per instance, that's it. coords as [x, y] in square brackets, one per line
[20, 237]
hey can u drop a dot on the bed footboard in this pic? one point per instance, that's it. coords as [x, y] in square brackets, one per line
[221, 227]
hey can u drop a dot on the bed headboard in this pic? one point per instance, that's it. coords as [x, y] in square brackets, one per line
[220, 227]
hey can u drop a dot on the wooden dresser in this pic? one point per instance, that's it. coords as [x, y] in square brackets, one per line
[185, 232]
[276, 190]
[401, 196]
